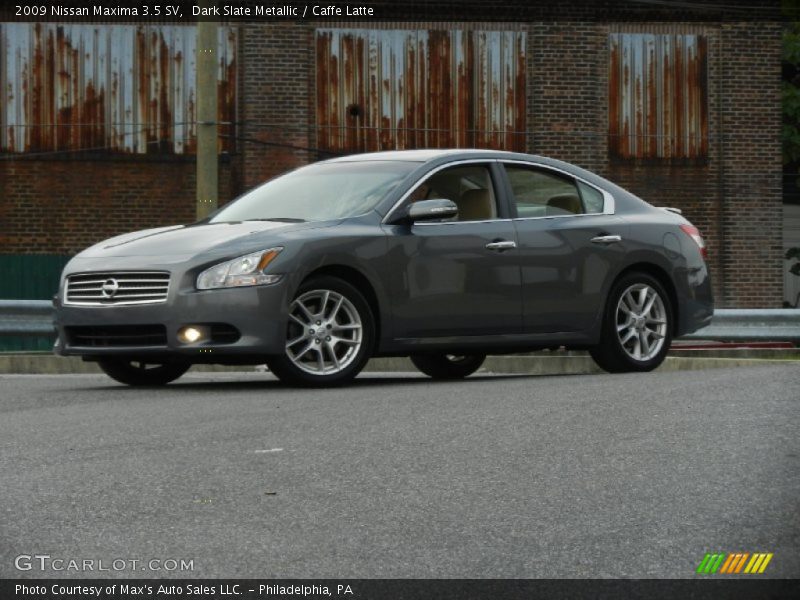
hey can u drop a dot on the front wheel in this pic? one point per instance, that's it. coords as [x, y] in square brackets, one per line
[447, 366]
[637, 326]
[329, 335]
[140, 373]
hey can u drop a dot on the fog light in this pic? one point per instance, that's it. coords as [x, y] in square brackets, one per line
[190, 335]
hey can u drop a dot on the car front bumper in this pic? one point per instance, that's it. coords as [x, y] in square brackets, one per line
[257, 314]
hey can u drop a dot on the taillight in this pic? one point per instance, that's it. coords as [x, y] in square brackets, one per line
[694, 233]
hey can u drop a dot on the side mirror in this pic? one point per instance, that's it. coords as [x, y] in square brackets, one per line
[428, 210]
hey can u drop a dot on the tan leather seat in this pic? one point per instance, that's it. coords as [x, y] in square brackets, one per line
[475, 205]
[564, 203]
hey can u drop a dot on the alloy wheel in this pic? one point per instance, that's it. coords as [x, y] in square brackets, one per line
[325, 332]
[641, 322]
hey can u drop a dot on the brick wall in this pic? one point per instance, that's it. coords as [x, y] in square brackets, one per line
[63, 206]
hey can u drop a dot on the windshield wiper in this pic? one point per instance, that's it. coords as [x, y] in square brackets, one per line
[280, 220]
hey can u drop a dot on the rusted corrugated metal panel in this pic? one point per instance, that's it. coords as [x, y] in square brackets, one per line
[657, 95]
[116, 88]
[405, 88]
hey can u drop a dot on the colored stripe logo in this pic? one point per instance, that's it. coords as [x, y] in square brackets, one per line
[732, 563]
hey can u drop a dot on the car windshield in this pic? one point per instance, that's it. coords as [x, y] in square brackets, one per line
[319, 192]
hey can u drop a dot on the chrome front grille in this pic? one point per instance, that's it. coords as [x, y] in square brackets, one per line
[117, 288]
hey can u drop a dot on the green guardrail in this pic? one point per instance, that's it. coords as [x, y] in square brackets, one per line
[29, 277]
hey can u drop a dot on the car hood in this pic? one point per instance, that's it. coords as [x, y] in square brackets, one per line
[191, 240]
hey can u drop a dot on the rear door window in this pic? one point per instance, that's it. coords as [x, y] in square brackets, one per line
[542, 193]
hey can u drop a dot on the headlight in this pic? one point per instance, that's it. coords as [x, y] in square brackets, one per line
[245, 270]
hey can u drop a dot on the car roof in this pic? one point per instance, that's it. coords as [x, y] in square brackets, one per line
[425, 155]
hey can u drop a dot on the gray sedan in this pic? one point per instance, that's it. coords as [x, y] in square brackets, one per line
[441, 255]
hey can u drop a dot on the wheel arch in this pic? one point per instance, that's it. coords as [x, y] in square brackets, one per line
[361, 282]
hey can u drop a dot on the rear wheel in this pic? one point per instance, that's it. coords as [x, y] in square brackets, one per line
[138, 373]
[329, 335]
[448, 366]
[637, 326]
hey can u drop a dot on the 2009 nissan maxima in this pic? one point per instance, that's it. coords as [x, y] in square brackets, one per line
[441, 255]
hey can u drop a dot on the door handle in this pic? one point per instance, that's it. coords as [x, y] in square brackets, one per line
[606, 239]
[501, 245]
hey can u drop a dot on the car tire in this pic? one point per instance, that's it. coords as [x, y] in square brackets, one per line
[138, 373]
[637, 325]
[447, 366]
[330, 335]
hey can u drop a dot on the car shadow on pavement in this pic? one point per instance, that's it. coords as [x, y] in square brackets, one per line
[269, 382]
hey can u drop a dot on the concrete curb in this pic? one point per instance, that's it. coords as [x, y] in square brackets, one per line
[575, 364]
[555, 363]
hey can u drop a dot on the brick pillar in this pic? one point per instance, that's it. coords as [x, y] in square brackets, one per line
[566, 81]
[276, 99]
[751, 163]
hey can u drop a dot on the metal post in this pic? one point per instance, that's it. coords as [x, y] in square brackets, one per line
[207, 158]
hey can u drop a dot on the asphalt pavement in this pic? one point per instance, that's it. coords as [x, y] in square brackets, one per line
[398, 476]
